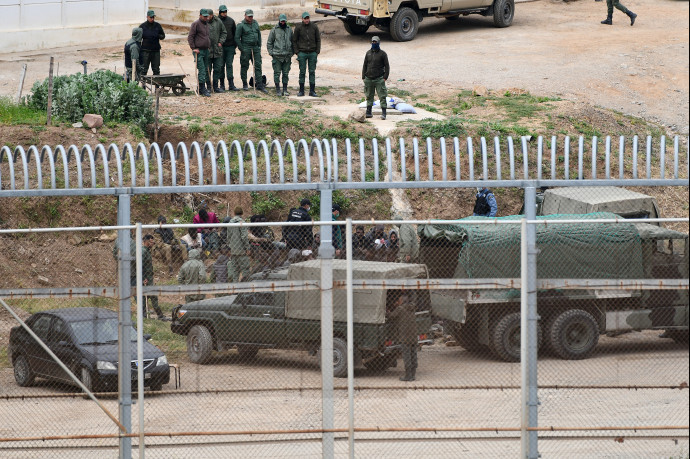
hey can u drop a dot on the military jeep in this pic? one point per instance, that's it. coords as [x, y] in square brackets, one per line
[292, 320]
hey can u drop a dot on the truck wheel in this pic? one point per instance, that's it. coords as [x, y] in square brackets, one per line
[353, 28]
[404, 24]
[339, 357]
[504, 10]
[466, 336]
[199, 344]
[504, 338]
[22, 372]
[574, 334]
[247, 352]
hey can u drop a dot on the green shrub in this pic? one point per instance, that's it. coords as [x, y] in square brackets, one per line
[102, 92]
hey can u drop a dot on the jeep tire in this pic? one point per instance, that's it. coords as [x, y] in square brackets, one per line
[199, 344]
[404, 24]
[504, 11]
[339, 357]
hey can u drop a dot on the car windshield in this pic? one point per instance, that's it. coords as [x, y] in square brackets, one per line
[99, 331]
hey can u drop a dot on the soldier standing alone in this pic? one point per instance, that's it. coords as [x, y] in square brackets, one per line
[199, 41]
[375, 73]
[146, 271]
[280, 49]
[248, 39]
[238, 241]
[306, 41]
[217, 35]
[404, 318]
[229, 49]
[151, 45]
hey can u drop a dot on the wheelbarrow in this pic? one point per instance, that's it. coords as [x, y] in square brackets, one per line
[168, 81]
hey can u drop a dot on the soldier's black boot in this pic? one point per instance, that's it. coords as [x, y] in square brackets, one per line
[408, 375]
[285, 91]
[231, 85]
[632, 17]
[608, 20]
[245, 86]
[301, 90]
[222, 85]
[369, 108]
[383, 113]
[216, 87]
[312, 90]
[261, 88]
[207, 89]
[278, 91]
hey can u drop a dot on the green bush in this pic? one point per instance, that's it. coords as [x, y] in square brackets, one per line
[102, 92]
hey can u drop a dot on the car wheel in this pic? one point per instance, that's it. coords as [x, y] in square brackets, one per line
[574, 334]
[199, 344]
[247, 352]
[339, 357]
[86, 379]
[22, 372]
[156, 387]
[504, 10]
[353, 28]
[404, 24]
[505, 337]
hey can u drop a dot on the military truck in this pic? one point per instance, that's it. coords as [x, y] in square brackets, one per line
[402, 17]
[583, 200]
[291, 320]
[571, 320]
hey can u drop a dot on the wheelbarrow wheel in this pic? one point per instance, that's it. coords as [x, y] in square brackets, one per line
[179, 89]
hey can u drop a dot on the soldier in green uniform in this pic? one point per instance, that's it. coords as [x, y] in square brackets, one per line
[375, 73]
[403, 316]
[248, 39]
[217, 34]
[193, 271]
[229, 49]
[238, 241]
[609, 6]
[146, 272]
[280, 49]
[306, 43]
[200, 42]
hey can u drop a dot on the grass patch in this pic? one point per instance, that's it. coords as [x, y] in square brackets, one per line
[517, 107]
[451, 127]
[11, 113]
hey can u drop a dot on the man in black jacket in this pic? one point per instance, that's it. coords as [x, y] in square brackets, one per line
[299, 237]
[375, 73]
[151, 45]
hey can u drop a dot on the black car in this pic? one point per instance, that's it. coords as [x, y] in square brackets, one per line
[85, 340]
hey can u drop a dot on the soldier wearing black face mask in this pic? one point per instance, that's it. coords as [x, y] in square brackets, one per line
[375, 73]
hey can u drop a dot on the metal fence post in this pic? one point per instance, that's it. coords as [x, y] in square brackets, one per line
[124, 380]
[350, 344]
[529, 337]
[326, 252]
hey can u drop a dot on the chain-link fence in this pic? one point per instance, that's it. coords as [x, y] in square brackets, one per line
[431, 363]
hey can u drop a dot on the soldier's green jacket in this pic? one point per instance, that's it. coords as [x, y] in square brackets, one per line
[193, 270]
[279, 43]
[248, 35]
[409, 244]
[146, 261]
[306, 39]
[238, 240]
[217, 34]
[404, 318]
[375, 65]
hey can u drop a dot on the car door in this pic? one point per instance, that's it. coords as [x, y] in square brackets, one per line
[38, 358]
[261, 324]
[61, 343]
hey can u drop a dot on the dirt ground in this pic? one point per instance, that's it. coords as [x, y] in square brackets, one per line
[553, 48]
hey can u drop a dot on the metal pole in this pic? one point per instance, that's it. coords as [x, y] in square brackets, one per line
[326, 253]
[528, 335]
[350, 343]
[124, 380]
[21, 84]
[140, 341]
[49, 107]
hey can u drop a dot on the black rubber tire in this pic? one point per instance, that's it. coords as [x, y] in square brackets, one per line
[353, 28]
[86, 378]
[466, 336]
[247, 352]
[504, 11]
[179, 89]
[156, 387]
[505, 339]
[199, 344]
[574, 334]
[23, 373]
[679, 336]
[404, 24]
[339, 357]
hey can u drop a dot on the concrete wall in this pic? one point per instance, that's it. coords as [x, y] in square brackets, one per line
[27, 25]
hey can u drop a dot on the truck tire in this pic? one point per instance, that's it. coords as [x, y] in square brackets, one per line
[247, 352]
[23, 373]
[404, 24]
[466, 336]
[339, 357]
[199, 344]
[504, 337]
[353, 28]
[504, 10]
[574, 334]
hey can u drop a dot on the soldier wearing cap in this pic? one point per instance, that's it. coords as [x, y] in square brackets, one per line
[229, 49]
[248, 39]
[217, 35]
[151, 46]
[199, 40]
[306, 43]
[375, 73]
[280, 49]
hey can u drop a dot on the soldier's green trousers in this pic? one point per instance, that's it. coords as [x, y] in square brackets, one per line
[202, 62]
[611, 3]
[152, 58]
[303, 59]
[228, 58]
[238, 264]
[245, 58]
[217, 65]
[281, 66]
[377, 85]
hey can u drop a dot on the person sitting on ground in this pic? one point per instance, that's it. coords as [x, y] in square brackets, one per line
[358, 244]
[192, 240]
[210, 235]
[261, 242]
[193, 271]
[170, 251]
